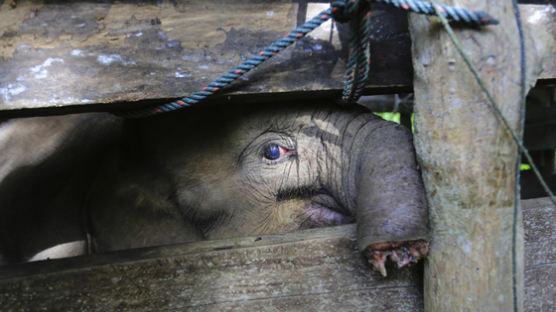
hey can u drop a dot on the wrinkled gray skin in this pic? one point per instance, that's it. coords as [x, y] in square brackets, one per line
[206, 174]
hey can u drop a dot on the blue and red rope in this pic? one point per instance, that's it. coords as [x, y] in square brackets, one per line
[357, 12]
[359, 59]
[453, 14]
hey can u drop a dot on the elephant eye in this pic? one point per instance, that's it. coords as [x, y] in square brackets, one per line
[273, 151]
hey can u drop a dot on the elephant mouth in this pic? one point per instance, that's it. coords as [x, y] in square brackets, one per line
[324, 210]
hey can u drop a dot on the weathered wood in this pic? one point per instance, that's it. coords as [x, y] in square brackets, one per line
[539, 222]
[314, 270]
[75, 53]
[545, 16]
[468, 159]
[81, 55]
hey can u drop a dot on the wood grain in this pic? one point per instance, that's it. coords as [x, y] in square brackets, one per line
[468, 160]
[313, 270]
[318, 270]
[86, 53]
[74, 56]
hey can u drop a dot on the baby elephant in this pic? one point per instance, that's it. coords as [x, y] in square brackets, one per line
[210, 172]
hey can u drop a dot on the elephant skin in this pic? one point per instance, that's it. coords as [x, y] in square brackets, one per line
[210, 172]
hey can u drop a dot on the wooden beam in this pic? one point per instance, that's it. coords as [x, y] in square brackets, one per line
[314, 270]
[83, 53]
[543, 16]
[468, 160]
[539, 222]
[317, 269]
[86, 56]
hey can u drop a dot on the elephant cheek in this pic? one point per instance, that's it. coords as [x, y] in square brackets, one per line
[284, 216]
[295, 214]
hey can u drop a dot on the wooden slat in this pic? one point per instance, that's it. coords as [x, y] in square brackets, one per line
[320, 267]
[82, 55]
[77, 53]
[313, 270]
[539, 222]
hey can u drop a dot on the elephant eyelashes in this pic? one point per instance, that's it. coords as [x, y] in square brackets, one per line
[272, 152]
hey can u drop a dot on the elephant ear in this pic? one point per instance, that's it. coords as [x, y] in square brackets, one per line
[391, 207]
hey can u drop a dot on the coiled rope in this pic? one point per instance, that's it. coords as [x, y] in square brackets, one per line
[357, 12]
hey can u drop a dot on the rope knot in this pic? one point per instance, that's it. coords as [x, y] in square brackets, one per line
[345, 10]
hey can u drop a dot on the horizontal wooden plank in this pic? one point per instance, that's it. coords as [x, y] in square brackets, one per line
[540, 288]
[127, 51]
[539, 222]
[274, 273]
[81, 55]
[313, 270]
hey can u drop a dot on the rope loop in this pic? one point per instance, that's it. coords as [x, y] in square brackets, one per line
[345, 10]
[358, 14]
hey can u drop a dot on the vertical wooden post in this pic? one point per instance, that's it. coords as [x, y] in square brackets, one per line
[468, 160]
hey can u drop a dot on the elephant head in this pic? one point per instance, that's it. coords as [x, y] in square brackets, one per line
[251, 169]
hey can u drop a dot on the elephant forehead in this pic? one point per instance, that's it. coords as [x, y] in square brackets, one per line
[311, 141]
[324, 131]
[327, 126]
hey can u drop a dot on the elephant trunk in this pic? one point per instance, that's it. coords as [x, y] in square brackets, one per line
[381, 184]
[390, 203]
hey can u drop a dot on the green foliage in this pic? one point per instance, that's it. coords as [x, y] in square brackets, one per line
[525, 167]
[395, 117]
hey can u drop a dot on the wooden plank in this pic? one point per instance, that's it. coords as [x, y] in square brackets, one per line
[77, 53]
[539, 222]
[313, 270]
[82, 55]
[321, 267]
